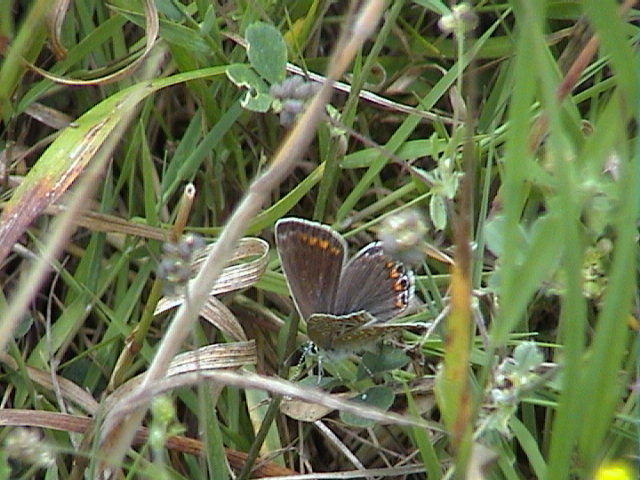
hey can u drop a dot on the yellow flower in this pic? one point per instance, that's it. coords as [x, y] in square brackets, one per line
[618, 470]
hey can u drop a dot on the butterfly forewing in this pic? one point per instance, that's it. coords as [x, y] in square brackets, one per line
[374, 282]
[312, 257]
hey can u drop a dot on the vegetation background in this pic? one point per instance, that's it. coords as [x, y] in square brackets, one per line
[125, 124]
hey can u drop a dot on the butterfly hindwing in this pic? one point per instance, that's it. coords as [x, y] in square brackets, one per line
[374, 282]
[312, 257]
[347, 333]
[326, 330]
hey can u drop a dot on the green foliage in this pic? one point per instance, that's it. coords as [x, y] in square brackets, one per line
[267, 55]
[378, 397]
[266, 51]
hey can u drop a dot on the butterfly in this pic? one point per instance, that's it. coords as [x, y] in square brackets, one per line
[345, 303]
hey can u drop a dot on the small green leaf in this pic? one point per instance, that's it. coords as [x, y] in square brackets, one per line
[494, 236]
[527, 356]
[316, 381]
[23, 327]
[256, 97]
[256, 102]
[388, 358]
[378, 397]
[438, 212]
[267, 51]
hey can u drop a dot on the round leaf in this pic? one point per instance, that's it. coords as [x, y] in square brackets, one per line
[388, 358]
[378, 397]
[267, 51]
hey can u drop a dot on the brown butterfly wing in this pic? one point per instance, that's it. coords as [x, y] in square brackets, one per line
[312, 257]
[374, 282]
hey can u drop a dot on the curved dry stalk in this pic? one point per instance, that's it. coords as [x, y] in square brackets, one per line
[130, 404]
[64, 422]
[70, 391]
[232, 278]
[55, 21]
[220, 356]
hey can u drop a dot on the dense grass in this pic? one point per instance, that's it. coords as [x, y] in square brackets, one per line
[516, 142]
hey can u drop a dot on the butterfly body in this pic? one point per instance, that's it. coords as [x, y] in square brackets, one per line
[345, 303]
